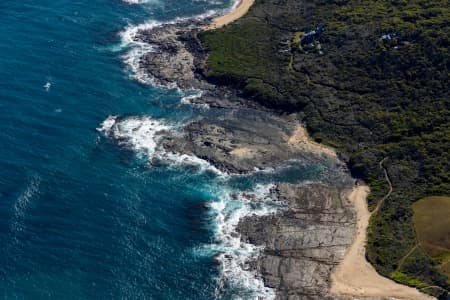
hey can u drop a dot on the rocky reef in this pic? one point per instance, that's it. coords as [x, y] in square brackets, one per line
[177, 60]
[241, 140]
[303, 244]
[170, 61]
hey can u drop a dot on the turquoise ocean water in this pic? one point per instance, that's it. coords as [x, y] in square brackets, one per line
[84, 216]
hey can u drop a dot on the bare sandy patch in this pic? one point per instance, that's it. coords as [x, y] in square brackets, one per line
[355, 276]
[243, 153]
[300, 140]
[237, 12]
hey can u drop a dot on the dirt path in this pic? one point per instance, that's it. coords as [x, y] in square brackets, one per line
[237, 12]
[355, 276]
[402, 261]
[388, 180]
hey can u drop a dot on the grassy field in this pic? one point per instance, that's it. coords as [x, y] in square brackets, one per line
[371, 98]
[432, 224]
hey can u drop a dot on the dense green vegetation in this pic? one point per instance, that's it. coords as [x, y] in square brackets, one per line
[371, 98]
[432, 224]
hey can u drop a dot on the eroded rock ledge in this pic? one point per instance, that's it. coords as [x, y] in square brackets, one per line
[241, 140]
[305, 243]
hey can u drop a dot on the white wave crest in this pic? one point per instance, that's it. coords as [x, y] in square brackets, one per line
[136, 1]
[23, 202]
[141, 1]
[138, 48]
[177, 159]
[143, 135]
[235, 255]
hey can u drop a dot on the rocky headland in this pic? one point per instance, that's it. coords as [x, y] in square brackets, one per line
[302, 244]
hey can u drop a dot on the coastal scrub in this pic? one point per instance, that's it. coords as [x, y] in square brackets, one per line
[374, 85]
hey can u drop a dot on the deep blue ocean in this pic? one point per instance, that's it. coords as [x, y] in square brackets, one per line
[82, 217]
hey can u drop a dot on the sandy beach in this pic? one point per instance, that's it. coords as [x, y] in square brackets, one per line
[301, 140]
[237, 12]
[355, 276]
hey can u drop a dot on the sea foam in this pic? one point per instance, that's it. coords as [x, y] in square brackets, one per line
[233, 254]
[137, 48]
[143, 135]
[188, 98]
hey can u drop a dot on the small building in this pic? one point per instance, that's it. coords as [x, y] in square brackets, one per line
[311, 36]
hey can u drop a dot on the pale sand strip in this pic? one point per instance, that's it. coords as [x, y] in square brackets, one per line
[244, 152]
[355, 276]
[237, 12]
[301, 140]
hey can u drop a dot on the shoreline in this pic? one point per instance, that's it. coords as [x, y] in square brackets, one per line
[235, 13]
[236, 150]
[355, 276]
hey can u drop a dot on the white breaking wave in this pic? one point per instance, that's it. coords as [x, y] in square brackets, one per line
[129, 39]
[177, 159]
[143, 136]
[138, 48]
[139, 1]
[235, 255]
[188, 100]
[137, 51]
